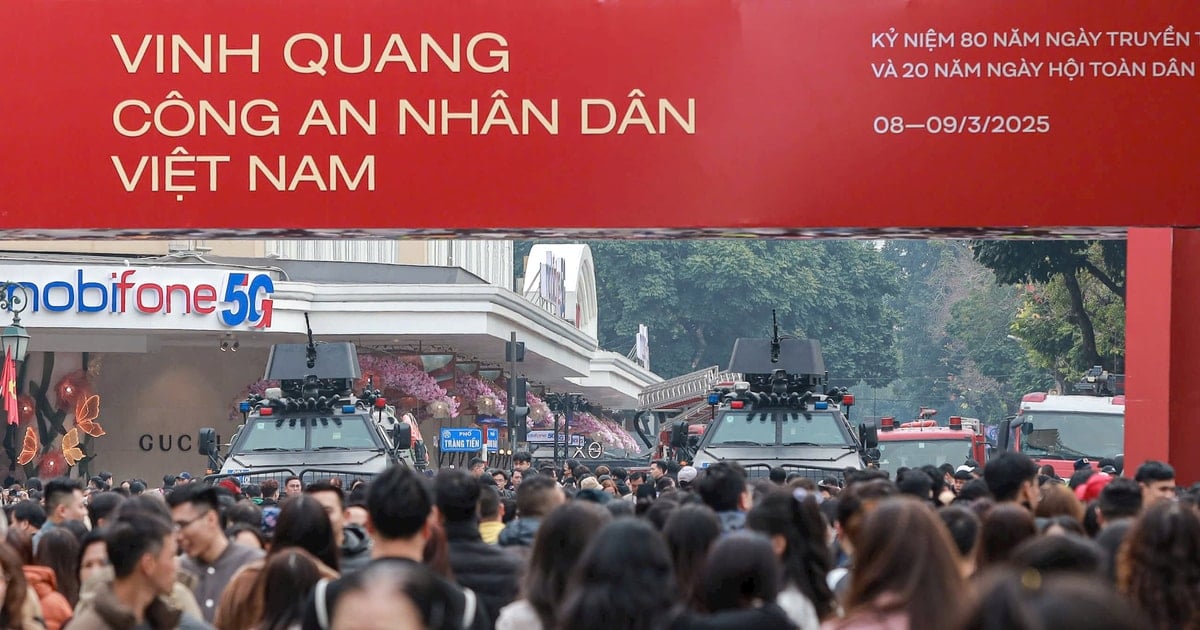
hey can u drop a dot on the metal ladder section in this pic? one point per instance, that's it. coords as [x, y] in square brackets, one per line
[683, 389]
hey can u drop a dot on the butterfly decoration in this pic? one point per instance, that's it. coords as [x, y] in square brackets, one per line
[70, 447]
[30, 447]
[86, 414]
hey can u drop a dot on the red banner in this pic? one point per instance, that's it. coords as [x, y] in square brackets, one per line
[426, 114]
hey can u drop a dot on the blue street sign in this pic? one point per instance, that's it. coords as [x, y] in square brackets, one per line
[460, 440]
[493, 440]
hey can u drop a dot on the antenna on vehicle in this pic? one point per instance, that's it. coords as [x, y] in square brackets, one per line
[775, 338]
[311, 351]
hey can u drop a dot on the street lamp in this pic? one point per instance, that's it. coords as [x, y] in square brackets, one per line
[14, 298]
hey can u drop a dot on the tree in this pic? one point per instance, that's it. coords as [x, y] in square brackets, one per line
[1072, 264]
[991, 368]
[954, 346]
[697, 296]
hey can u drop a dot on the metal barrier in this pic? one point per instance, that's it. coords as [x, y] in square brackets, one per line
[306, 475]
[763, 471]
[460, 460]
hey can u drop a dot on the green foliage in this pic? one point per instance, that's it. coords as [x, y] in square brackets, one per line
[955, 352]
[1073, 315]
[697, 296]
[908, 324]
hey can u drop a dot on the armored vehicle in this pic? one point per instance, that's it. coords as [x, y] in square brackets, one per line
[781, 413]
[312, 426]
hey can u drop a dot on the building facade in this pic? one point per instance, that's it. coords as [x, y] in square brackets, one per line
[168, 342]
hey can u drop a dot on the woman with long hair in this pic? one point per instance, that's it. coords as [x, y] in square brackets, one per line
[743, 574]
[1058, 500]
[560, 541]
[41, 580]
[906, 571]
[436, 554]
[61, 554]
[93, 556]
[1027, 599]
[1158, 566]
[287, 576]
[54, 577]
[21, 542]
[19, 609]
[690, 532]
[794, 523]
[1003, 528]
[624, 580]
[302, 523]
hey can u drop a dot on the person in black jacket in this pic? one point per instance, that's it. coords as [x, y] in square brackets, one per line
[537, 496]
[400, 506]
[483, 568]
[355, 545]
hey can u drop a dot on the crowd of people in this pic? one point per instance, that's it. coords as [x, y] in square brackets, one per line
[1006, 545]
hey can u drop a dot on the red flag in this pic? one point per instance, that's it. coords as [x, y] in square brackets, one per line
[9, 382]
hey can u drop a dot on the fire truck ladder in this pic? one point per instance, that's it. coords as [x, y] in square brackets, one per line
[678, 392]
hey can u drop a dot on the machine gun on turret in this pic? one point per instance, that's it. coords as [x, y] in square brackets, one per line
[314, 416]
[1099, 382]
[780, 412]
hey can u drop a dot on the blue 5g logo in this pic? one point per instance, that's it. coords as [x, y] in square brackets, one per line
[243, 293]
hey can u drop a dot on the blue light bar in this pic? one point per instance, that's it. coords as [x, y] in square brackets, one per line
[820, 405]
[347, 408]
[244, 406]
[714, 399]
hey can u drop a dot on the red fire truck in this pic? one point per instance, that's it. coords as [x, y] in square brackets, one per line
[1060, 429]
[925, 442]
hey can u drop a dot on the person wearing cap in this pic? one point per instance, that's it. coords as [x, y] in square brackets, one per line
[231, 485]
[962, 476]
[687, 475]
[183, 478]
[829, 487]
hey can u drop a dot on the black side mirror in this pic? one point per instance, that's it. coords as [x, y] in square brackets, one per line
[679, 434]
[206, 443]
[1026, 428]
[402, 436]
[868, 433]
[1004, 435]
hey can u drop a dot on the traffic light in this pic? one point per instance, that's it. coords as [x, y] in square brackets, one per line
[518, 408]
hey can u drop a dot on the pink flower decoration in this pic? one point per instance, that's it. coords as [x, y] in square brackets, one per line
[391, 373]
[472, 388]
[401, 376]
[604, 430]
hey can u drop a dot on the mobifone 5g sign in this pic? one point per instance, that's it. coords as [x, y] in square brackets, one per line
[168, 297]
